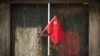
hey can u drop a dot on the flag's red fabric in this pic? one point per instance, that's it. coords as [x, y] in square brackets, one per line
[54, 30]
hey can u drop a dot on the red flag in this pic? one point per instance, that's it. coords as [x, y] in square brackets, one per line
[54, 30]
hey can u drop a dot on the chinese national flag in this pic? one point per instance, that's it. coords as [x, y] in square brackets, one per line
[54, 30]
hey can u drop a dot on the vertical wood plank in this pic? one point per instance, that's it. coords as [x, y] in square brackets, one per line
[94, 29]
[4, 29]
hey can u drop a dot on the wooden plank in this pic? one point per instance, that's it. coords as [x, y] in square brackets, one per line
[4, 29]
[94, 29]
[51, 1]
[46, 1]
[26, 43]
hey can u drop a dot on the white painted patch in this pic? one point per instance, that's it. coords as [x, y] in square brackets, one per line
[26, 42]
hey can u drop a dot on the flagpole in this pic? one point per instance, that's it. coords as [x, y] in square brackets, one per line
[48, 35]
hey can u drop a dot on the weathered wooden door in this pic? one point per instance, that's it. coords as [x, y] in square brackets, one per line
[28, 20]
[74, 20]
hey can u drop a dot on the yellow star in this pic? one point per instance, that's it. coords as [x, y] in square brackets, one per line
[55, 22]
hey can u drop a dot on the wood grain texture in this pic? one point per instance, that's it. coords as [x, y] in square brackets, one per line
[26, 24]
[51, 1]
[73, 18]
[4, 30]
[94, 29]
[72, 45]
[26, 42]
